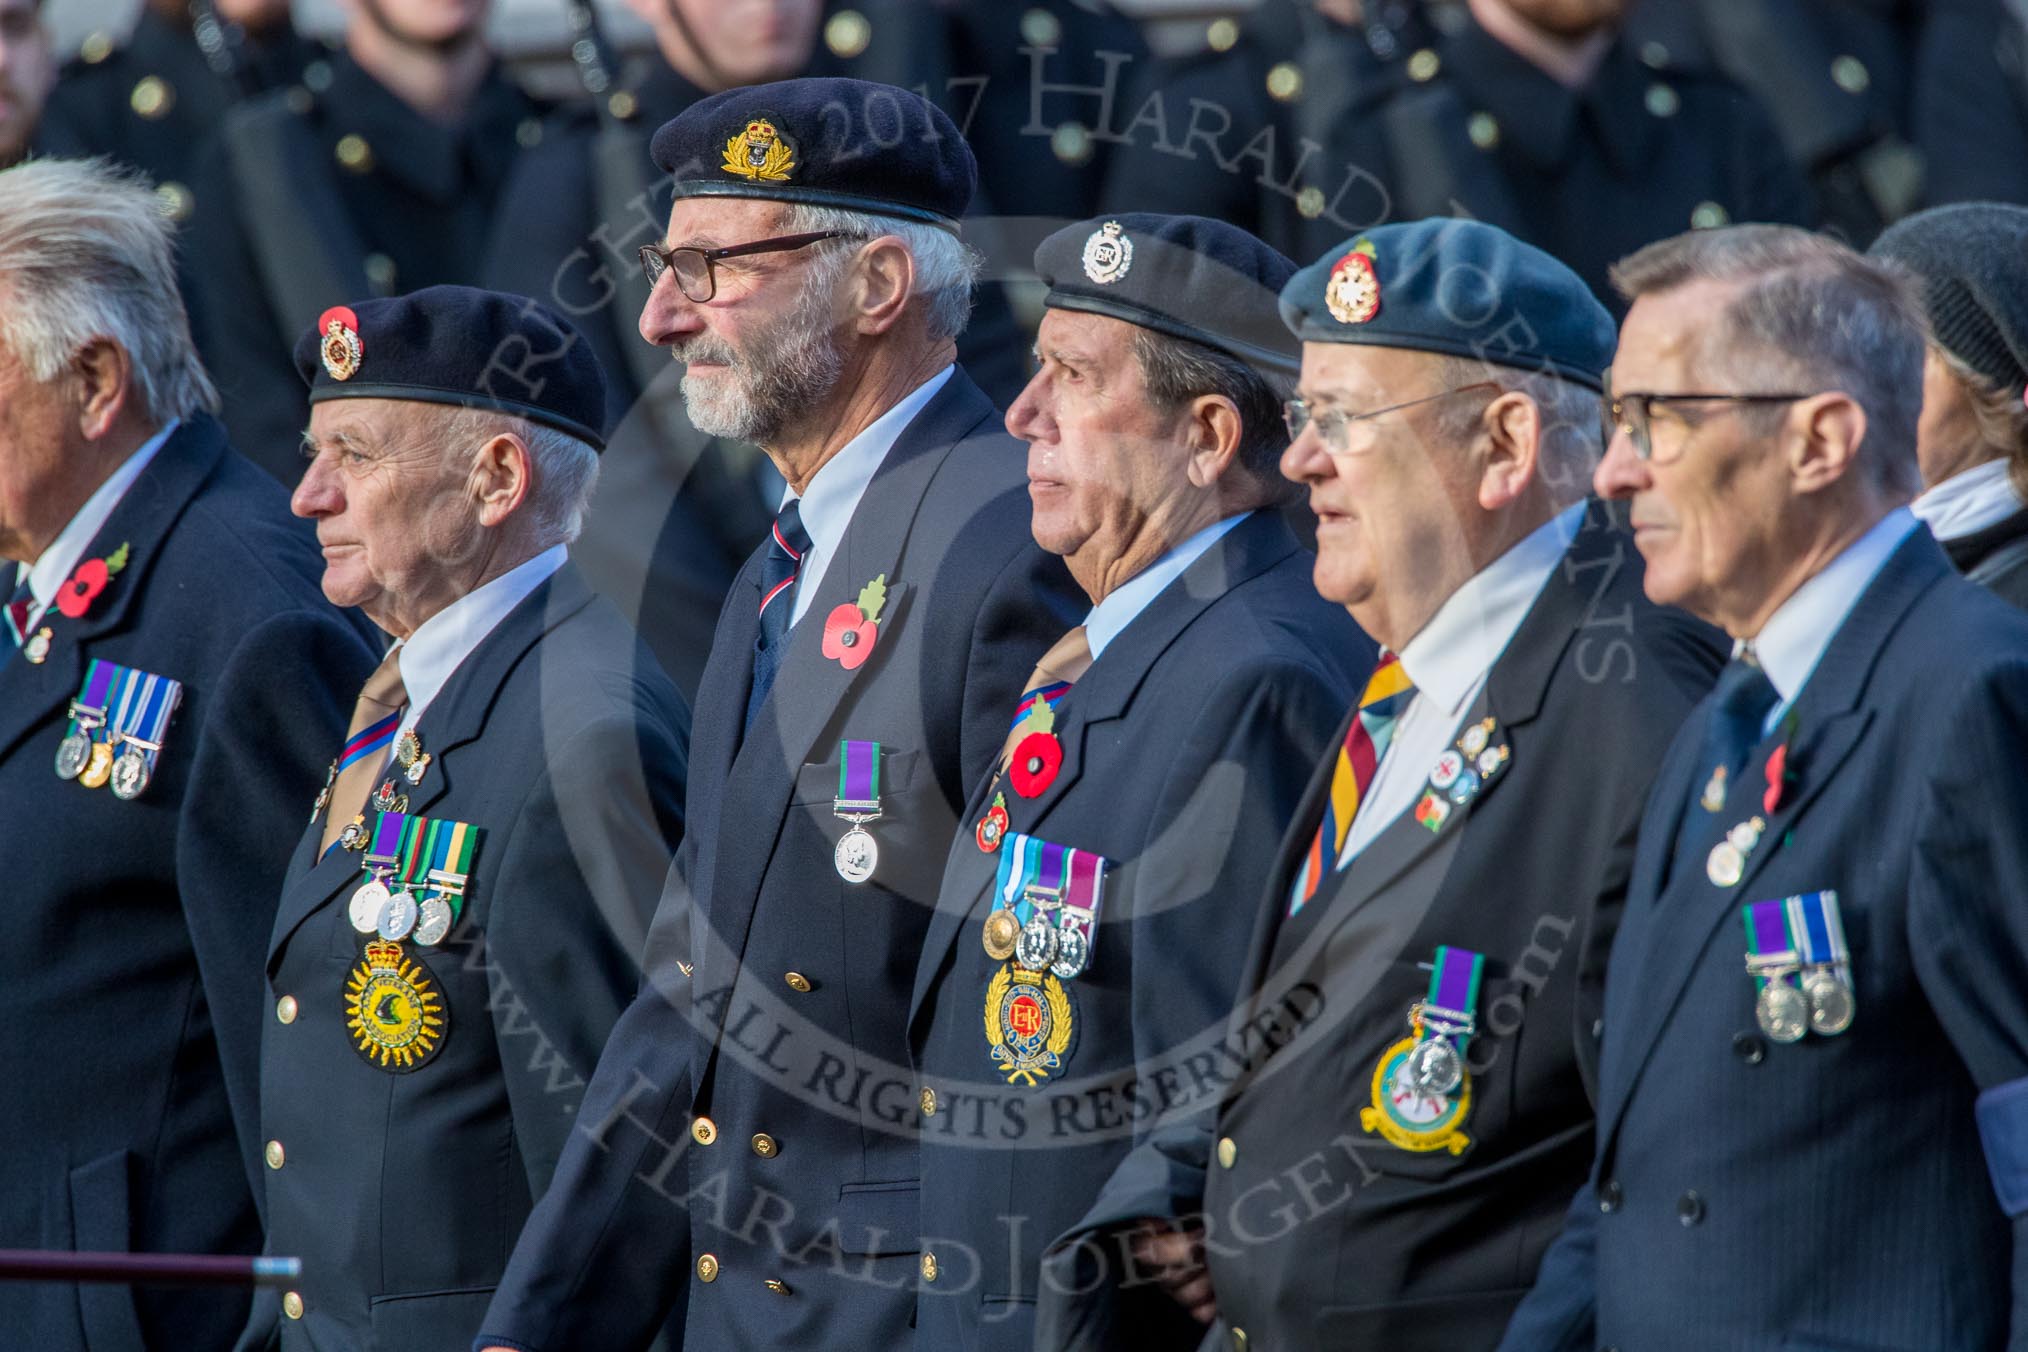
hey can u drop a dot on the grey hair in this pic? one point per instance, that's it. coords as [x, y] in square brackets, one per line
[1573, 424]
[946, 268]
[1811, 310]
[1999, 413]
[87, 253]
[565, 468]
[1177, 370]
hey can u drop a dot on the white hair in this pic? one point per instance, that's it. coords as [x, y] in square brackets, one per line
[946, 268]
[86, 253]
[1573, 424]
[565, 468]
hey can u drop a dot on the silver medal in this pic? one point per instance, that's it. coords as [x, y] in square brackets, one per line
[397, 918]
[130, 773]
[1036, 948]
[1434, 1066]
[73, 753]
[1831, 1002]
[433, 921]
[364, 908]
[856, 855]
[1073, 954]
[1781, 1011]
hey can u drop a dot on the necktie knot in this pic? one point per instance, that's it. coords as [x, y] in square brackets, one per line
[788, 544]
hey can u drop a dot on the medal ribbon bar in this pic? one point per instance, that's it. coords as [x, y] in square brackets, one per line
[858, 781]
[1452, 1008]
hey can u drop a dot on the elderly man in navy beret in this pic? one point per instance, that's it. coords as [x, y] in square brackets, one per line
[1419, 1035]
[1095, 906]
[464, 917]
[747, 1150]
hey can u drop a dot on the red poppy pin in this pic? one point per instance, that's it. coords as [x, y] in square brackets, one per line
[1778, 776]
[851, 629]
[76, 596]
[1037, 758]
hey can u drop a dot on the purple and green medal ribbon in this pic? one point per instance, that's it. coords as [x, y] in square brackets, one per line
[1454, 987]
[424, 854]
[1819, 931]
[384, 849]
[93, 696]
[1769, 941]
[858, 776]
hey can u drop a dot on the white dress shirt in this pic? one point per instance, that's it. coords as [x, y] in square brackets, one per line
[1793, 640]
[833, 493]
[1967, 503]
[53, 567]
[1126, 601]
[440, 644]
[1448, 662]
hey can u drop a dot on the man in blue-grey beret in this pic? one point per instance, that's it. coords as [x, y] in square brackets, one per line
[1094, 908]
[1418, 1039]
[746, 1155]
[464, 916]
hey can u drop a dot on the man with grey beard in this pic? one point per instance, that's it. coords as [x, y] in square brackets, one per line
[745, 1157]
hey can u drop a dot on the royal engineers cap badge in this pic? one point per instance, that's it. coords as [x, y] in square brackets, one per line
[342, 351]
[1108, 254]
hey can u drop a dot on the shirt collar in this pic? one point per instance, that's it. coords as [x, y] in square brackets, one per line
[1967, 503]
[1125, 602]
[1789, 645]
[56, 563]
[833, 493]
[441, 643]
[1449, 658]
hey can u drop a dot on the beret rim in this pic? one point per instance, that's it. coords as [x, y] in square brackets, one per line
[817, 197]
[1283, 362]
[1418, 342]
[422, 394]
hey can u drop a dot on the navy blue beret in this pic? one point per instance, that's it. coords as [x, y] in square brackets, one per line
[828, 142]
[462, 346]
[1458, 287]
[1186, 276]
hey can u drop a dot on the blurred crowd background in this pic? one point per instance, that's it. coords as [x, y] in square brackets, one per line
[333, 149]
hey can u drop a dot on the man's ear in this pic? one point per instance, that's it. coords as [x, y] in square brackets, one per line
[102, 370]
[883, 280]
[502, 475]
[1510, 438]
[1820, 438]
[1212, 431]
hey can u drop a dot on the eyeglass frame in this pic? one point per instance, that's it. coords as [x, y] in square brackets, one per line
[655, 260]
[1291, 406]
[1640, 434]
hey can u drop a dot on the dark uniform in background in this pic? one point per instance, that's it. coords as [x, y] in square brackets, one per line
[1587, 175]
[1971, 101]
[685, 1130]
[1347, 1208]
[1183, 749]
[401, 1171]
[1218, 130]
[310, 193]
[151, 100]
[138, 925]
[1835, 77]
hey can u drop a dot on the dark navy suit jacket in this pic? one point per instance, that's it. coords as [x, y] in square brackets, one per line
[1319, 1231]
[1187, 745]
[753, 1120]
[1831, 1193]
[563, 742]
[135, 929]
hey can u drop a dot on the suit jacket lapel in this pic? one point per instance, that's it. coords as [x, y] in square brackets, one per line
[1829, 725]
[811, 688]
[454, 719]
[1103, 695]
[142, 520]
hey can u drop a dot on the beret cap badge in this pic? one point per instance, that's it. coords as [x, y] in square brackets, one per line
[760, 153]
[1353, 293]
[1108, 254]
[341, 350]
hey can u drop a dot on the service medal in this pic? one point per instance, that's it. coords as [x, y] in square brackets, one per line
[1409, 1117]
[73, 753]
[396, 1016]
[398, 916]
[1073, 954]
[856, 855]
[1819, 931]
[130, 773]
[1831, 1002]
[1781, 1010]
[433, 922]
[99, 768]
[1434, 1066]
[1001, 932]
[367, 902]
[1031, 1022]
[1036, 948]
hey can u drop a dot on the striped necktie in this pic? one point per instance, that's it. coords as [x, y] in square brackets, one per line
[788, 542]
[1388, 692]
[18, 610]
[375, 717]
[1060, 668]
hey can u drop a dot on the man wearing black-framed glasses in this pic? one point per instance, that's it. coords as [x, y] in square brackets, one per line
[811, 285]
[1833, 856]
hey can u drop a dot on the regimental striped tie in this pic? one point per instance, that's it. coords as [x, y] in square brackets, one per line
[1388, 693]
[1066, 662]
[375, 717]
[18, 611]
[780, 567]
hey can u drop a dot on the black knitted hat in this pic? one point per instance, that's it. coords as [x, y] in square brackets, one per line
[1972, 261]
